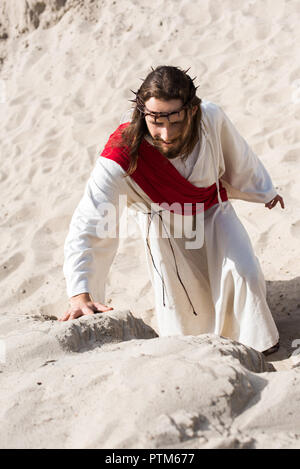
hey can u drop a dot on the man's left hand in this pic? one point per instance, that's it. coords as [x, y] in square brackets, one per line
[274, 201]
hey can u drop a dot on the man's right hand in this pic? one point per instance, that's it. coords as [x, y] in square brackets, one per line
[81, 305]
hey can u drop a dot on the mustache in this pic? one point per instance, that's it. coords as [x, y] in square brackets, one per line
[157, 139]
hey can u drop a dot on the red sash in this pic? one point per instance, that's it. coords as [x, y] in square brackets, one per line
[160, 180]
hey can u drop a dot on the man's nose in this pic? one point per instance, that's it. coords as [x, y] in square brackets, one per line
[166, 134]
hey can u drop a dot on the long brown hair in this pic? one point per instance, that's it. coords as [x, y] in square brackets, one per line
[166, 83]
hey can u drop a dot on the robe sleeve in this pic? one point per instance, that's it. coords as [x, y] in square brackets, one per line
[245, 176]
[88, 250]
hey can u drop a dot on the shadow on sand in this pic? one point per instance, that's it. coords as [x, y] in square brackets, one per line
[284, 301]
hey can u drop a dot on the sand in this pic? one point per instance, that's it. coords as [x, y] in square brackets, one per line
[108, 381]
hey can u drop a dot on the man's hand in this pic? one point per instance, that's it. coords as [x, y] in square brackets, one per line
[81, 305]
[274, 201]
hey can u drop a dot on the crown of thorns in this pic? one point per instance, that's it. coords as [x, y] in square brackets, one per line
[140, 105]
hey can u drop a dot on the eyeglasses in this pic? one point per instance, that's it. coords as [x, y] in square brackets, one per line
[171, 116]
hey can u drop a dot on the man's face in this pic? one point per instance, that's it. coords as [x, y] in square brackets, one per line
[166, 132]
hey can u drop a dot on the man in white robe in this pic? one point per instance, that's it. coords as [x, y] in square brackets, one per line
[221, 281]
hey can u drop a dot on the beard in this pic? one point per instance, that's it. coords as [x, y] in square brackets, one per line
[170, 153]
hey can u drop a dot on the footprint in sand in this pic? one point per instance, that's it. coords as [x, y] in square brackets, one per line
[19, 99]
[263, 240]
[292, 156]
[45, 238]
[28, 287]
[295, 229]
[3, 176]
[17, 118]
[46, 104]
[11, 265]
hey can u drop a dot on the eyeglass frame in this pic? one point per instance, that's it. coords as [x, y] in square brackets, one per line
[157, 115]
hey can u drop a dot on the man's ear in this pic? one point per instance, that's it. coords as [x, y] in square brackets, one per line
[194, 110]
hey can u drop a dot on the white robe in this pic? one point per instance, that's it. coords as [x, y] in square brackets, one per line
[222, 280]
